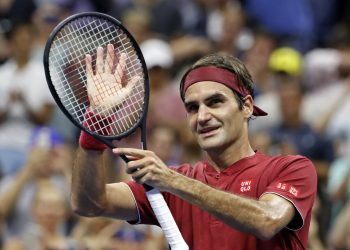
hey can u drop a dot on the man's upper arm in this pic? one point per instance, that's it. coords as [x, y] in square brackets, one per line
[121, 203]
[296, 183]
[281, 208]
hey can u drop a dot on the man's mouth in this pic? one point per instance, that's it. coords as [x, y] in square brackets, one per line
[208, 131]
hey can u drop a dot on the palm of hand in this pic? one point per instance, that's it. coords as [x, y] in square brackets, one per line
[106, 90]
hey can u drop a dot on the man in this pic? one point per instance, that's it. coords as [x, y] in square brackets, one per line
[236, 199]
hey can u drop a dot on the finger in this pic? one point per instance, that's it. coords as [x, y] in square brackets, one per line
[132, 168]
[141, 175]
[137, 164]
[88, 64]
[131, 152]
[119, 71]
[99, 60]
[109, 59]
[132, 158]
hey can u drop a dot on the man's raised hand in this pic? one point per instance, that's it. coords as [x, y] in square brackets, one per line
[109, 86]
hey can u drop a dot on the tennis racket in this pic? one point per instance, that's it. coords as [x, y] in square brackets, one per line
[94, 66]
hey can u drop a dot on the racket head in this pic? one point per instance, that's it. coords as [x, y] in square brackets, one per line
[65, 71]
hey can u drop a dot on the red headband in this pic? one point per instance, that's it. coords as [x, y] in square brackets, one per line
[219, 75]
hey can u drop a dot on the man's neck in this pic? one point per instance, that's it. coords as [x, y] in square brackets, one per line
[222, 159]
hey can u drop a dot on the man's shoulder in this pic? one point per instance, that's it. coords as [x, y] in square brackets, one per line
[294, 165]
[282, 158]
[288, 159]
[285, 161]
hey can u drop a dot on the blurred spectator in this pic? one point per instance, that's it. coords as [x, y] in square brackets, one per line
[103, 233]
[165, 16]
[315, 242]
[164, 141]
[157, 53]
[299, 134]
[225, 26]
[339, 235]
[14, 244]
[141, 237]
[321, 68]
[336, 128]
[25, 100]
[194, 15]
[339, 185]
[138, 22]
[286, 60]
[188, 48]
[42, 166]
[119, 7]
[190, 150]
[284, 64]
[49, 210]
[194, 42]
[327, 75]
[46, 16]
[90, 234]
[165, 105]
[17, 10]
[257, 57]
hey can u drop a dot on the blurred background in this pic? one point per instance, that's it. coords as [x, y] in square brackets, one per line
[298, 53]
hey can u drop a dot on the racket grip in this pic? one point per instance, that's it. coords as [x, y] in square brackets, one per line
[166, 220]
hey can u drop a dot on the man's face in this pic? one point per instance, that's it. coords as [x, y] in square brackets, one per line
[213, 115]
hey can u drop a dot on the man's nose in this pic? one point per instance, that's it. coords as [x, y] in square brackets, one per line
[203, 114]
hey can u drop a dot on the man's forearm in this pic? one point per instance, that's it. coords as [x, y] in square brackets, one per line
[88, 195]
[252, 216]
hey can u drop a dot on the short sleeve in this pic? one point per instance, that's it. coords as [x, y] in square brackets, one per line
[144, 209]
[296, 182]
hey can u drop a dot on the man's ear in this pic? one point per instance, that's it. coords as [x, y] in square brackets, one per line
[248, 106]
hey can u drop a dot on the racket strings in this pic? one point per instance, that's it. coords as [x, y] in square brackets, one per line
[68, 72]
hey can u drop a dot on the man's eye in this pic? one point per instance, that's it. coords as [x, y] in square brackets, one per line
[213, 102]
[191, 108]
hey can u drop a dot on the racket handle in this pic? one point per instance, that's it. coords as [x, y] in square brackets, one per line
[166, 220]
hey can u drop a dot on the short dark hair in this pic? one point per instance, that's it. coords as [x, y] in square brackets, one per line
[230, 63]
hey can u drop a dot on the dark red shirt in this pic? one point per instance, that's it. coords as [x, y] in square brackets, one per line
[291, 177]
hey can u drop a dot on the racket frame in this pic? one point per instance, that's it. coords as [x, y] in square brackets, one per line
[141, 123]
